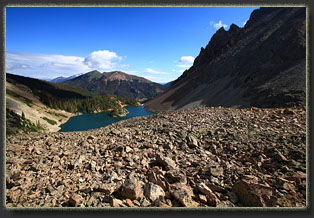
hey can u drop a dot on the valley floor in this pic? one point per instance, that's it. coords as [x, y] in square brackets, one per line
[205, 157]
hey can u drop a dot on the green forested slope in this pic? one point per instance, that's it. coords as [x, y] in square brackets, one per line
[67, 97]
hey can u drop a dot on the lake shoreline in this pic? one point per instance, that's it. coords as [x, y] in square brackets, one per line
[87, 121]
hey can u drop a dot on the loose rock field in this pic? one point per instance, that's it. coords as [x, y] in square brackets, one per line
[205, 157]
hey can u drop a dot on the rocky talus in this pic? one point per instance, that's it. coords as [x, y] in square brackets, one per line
[204, 157]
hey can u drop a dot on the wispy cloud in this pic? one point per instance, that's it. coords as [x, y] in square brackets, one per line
[177, 71]
[218, 25]
[51, 65]
[43, 65]
[125, 65]
[151, 71]
[159, 79]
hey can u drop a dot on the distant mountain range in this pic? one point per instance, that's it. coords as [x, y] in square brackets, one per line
[61, 79]
[261, 65]
[115, 83]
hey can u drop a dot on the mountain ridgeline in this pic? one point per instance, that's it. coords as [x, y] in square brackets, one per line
[67, 97]
[117, 83]
[261, 65]
[61, 79]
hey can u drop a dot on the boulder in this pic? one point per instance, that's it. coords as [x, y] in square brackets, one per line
[254, 194]
[114, 202]
[202, 199]
[280, 157]
[129, 203]
[153, 191]
[233, 197]
[108, 188]
[75, 200]
[183, 194]
[132, 189]
[177, 176]
[192, 141]
[211, 197]
[91, 137]
[166, 162]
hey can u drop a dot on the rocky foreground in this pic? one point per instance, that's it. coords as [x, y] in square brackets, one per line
[206, 157]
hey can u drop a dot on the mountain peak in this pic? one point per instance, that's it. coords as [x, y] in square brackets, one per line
[94, 72]
[118, 75]
[118, 83]
[234, 28]
[261, 65]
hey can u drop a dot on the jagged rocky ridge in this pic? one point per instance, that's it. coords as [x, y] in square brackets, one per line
[261, 65]
[205, 157]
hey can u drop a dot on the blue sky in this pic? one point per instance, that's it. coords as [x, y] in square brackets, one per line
[157, 43]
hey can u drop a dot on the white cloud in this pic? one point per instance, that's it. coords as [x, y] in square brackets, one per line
[104, 60]
[49, 66]
[177, 71]
[185, 62]
[43, 65]
[151, 71]
[184, 65]
[218, 25]
[131, 71]
[13, 66]
[52, 66]
[151, 77]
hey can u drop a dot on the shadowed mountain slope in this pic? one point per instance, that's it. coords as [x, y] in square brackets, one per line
[261, 65]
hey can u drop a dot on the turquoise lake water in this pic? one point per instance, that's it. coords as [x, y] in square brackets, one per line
[92, 121]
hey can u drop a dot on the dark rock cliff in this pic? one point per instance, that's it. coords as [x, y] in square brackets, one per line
[262, 64]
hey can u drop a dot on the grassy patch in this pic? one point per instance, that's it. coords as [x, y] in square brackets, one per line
[52, 122]
[56, 114]
[28, 102]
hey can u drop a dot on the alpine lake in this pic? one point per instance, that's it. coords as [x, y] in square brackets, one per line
[88, 121]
